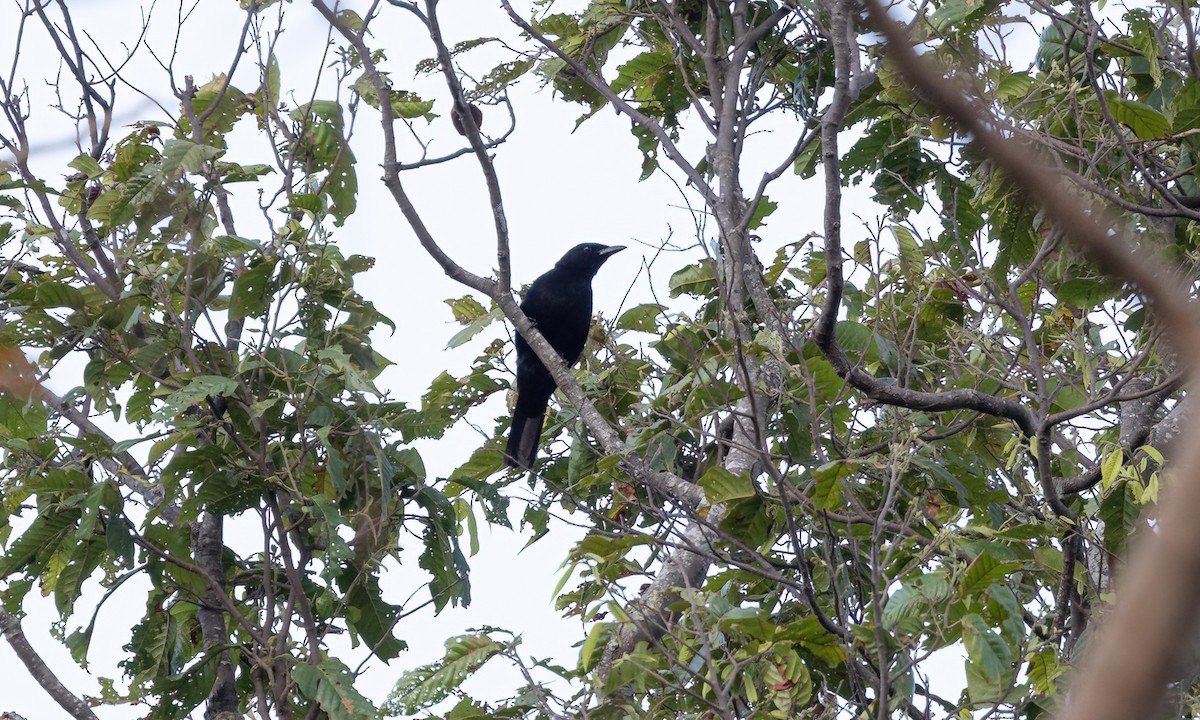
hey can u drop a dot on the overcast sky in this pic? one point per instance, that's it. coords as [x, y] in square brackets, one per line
[561, 186]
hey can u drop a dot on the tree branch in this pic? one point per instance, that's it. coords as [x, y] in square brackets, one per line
[75, 706]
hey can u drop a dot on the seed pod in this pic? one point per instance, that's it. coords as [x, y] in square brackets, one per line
[457, 118]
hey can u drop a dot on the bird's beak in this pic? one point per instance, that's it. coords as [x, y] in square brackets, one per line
[611, 250]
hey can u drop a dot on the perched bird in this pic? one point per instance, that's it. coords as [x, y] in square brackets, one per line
[560, 304]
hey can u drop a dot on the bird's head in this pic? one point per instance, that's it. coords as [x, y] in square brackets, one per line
[588, 257]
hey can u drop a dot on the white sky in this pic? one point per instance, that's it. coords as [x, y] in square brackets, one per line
[560, 188]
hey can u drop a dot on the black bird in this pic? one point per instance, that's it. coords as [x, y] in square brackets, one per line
[560, 304]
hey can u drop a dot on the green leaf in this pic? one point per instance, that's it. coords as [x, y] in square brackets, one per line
[989, 660]
[83, 560]
[199, 388]
[722, 486]
[54, 294]
[1145, 122]
[908, 608]
[1044, 668]
[87, 165]
[466, 309]
[45, 534]
[911, 259]
[1052, 50]
[270, 88]
[101, 210]
[231, 105]
[234, 173]
[120, 540]
[1014, 86]
[369, 615]
[408, 464]
[827, 490]
[1153, 452]
[442, 557]
[101, 495]
[1119, 510]
[857, 340]
[22, 420]
[325, 147]
[327, 526]
[1145, 38]
[593, 647]
[249, 297]
[903, 610]
[331, 685]
[749, 520]
[474, 327]
[982, 572]
[405, 105]
[138, 191]
[1110, 468]
[430, 684]
[642, 318]
[352, 20]
[180, 156]
[581, 463]
[788, 681]
[340, 364]
[342, 187]
[955, 14]
[235, 246]
[1187, 108]
[484, 462]
[134, 154]
[699, 280]
[764, 208]
[1004, 607]
[1085, 292]
[409, 105]
[808, 160]
[644, 70]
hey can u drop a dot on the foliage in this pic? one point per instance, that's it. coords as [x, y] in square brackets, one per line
[240, 375]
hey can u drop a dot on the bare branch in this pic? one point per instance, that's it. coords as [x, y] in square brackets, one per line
[504, 273]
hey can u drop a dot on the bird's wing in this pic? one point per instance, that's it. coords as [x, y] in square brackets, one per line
[561, 307]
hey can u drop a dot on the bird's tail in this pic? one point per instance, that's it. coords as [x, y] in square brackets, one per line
[523, 439]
